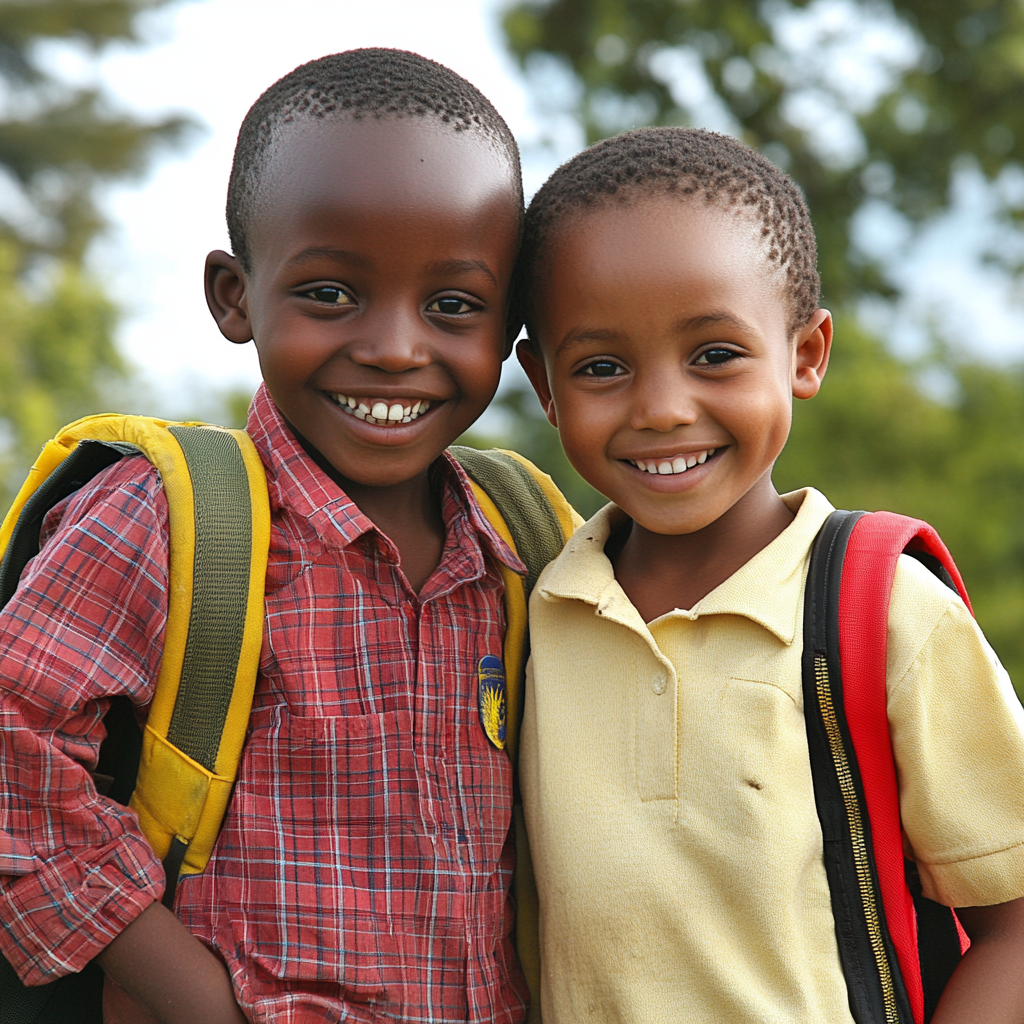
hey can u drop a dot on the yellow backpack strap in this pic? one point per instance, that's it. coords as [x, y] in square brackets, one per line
[531, 515]
[529, 512]
[219, 521]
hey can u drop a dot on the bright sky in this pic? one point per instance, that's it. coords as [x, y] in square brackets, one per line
[212, 58]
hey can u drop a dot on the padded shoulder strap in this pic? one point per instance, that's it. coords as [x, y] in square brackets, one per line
[531, 515]
[219, 521]
[868, 569]
[846, 612]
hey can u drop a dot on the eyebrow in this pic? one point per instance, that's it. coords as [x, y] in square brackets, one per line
[713, 319]
[461, 266]
[580, 335]
[319, 252]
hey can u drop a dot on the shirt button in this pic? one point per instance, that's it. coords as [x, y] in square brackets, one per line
[659, 684]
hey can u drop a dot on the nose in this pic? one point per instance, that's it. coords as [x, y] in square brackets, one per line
[662, 401]
[392, 340]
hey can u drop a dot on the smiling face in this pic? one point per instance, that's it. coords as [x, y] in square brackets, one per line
[667, 364]
[381, 255]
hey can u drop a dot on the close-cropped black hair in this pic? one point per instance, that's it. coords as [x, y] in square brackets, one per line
[683, 162]
[370, 82]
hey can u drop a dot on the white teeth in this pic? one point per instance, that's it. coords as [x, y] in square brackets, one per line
[680, 464]
[381, 413]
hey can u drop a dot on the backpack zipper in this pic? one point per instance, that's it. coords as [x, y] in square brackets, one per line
[858, 839]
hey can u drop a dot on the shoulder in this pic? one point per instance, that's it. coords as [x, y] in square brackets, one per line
[130, 485]
[117, 517]
[921, 606]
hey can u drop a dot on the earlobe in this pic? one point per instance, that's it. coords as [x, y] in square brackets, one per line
[533, 364]
[225, 285]
[812, 347]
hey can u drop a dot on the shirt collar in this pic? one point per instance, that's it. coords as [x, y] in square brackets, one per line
[297, 483]
[768, 589]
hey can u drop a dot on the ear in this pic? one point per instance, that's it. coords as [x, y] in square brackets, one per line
[533, 364]
[225, 283]
[812, 347]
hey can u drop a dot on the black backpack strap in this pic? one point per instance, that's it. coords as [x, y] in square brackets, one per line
[88, 459]
[873, 981]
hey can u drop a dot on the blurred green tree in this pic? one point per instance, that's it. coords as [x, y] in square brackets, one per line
[58, 146]
[857, 99]
[861, 101]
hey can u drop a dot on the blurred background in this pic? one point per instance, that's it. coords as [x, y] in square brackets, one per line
[902, 121]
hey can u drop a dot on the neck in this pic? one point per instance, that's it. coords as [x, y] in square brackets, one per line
[408, 513]
[661, 572]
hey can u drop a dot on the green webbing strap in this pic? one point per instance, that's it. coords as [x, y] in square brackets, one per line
[525, 508]
[220, 593]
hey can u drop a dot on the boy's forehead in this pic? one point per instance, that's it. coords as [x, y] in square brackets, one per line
[699, 257]
[401, 162]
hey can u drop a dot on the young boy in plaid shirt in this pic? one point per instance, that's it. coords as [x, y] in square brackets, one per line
[363, 869]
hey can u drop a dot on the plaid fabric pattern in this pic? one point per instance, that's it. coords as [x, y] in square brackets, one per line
[364, 866]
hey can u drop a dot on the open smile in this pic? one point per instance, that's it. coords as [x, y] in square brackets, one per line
[674, 464]
[393, 412]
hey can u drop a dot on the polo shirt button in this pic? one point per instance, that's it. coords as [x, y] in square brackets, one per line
[659, 684]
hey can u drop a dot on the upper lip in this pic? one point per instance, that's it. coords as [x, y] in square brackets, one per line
[382, 395]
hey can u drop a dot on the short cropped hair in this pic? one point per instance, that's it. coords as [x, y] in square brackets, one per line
[370, 82]
[683, 162]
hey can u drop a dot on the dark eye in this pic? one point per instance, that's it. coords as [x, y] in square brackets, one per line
[330, 295]
[715, 357]
[602, 368]
[449, 306]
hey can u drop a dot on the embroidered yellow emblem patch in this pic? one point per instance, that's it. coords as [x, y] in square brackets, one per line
[492, 700]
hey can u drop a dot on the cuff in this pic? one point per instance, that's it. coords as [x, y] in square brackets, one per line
[979, 882]
[59, 918]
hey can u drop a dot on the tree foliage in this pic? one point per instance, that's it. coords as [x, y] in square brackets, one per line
[810, 83]
[59, 145]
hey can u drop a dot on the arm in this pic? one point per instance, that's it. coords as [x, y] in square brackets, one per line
[988, 985]
[86, 624]
[162, 967]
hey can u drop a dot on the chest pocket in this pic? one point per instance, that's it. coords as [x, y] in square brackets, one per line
[745, 765]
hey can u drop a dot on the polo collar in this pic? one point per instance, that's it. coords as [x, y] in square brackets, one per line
[768, 589]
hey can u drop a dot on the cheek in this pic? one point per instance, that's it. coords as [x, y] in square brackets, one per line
[585, 423]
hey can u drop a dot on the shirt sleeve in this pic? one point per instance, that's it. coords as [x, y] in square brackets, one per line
[85, 624]
[958, 736]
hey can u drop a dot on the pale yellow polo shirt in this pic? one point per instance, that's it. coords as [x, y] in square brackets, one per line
[668, 794]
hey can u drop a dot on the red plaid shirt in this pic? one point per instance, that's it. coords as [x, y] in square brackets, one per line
[364, 866]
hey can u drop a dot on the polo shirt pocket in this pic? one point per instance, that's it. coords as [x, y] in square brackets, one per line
[746, 749]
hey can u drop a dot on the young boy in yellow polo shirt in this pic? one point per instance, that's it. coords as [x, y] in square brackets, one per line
[672, 307]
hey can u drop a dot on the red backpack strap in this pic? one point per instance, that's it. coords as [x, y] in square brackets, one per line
[869, 566]
[874, 982]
